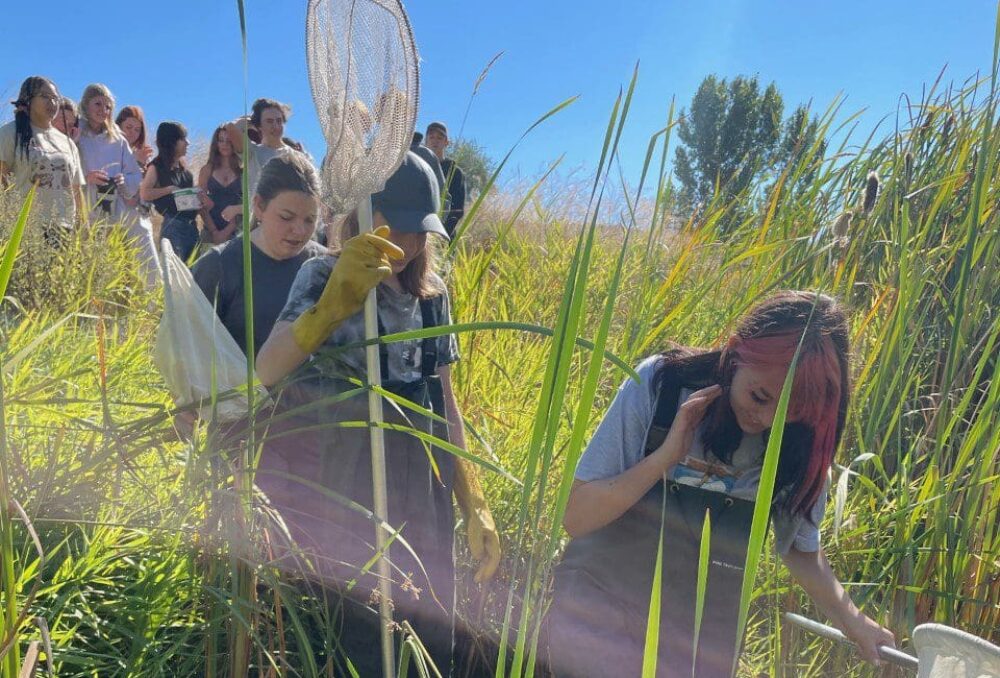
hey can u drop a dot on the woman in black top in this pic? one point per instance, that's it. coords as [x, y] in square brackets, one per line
[221, 180]
[166, 175]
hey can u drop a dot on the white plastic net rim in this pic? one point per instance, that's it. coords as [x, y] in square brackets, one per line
[945, 652]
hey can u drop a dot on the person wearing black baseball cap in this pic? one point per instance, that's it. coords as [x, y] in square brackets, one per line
[323, 311]
[437, 140]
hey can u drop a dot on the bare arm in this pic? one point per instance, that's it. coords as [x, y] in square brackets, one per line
[279, 355]
[594, 504]
[206, 215]
[813, 573]
[148, 190]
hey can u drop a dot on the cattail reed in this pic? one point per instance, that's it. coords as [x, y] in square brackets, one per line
[871, 192]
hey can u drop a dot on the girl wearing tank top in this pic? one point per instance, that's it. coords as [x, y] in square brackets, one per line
[221, 180]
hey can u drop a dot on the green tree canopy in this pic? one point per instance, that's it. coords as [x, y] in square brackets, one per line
[733, 134]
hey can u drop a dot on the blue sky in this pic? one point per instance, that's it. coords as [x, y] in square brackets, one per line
[184, 62]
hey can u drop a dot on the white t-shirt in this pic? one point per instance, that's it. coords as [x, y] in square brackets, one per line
[53, 162]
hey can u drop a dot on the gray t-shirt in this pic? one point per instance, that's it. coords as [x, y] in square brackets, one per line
[399, 312]
[53, 162]
[220, 272]
[617, 445]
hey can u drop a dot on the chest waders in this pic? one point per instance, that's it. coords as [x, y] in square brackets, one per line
[596, 626]
[312, 462]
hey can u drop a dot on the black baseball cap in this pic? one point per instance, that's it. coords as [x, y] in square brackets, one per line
[439, 126]
[410, 199]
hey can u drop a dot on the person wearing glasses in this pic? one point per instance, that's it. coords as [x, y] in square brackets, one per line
[33, 152]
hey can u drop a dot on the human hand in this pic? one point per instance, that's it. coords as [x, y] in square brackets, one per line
[362, 264]
[206, 202]
[868, 635]
[678, 441]
[97, 177]
[118, 179]
[231, 212]
[143, 155]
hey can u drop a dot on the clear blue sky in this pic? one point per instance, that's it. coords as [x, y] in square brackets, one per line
[181, 60]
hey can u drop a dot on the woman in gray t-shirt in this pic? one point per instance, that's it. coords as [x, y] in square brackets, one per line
[691, 437]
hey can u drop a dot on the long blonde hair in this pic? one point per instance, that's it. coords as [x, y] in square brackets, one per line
[93, 91]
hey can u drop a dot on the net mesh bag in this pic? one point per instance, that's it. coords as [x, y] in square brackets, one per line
[363, 74]
[945, 652]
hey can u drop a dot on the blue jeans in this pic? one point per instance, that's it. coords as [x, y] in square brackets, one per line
[182, 233]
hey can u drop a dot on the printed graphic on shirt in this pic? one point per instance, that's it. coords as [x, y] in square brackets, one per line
[707, 475]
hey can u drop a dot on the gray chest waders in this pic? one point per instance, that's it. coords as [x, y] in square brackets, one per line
[596, 626]
[312, 465]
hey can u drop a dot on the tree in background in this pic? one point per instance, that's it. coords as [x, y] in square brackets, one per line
[475, 163]
[732, 135]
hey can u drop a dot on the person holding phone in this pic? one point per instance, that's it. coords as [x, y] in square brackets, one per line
[112, 174]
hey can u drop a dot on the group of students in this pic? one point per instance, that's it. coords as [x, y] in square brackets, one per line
[685, 439]
[86, 164]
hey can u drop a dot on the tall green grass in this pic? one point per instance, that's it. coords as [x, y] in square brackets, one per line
[551, 315]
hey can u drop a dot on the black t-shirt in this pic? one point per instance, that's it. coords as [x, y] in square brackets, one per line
[220, 270]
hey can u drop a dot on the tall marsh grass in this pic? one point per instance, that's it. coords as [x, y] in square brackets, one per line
[130, 583]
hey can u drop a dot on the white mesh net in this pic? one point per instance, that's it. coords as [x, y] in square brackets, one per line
[945, 652]
[363, 74]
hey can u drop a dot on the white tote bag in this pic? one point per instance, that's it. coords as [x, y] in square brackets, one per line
[191, 342]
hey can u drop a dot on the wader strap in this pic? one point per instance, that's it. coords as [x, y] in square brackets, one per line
[383, 350]
[429, 355]
[428, 349]
[664, 411]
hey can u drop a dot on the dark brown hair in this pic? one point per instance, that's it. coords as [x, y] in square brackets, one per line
[214, 157]
[769, 334]
[418, 278]
[261, 105]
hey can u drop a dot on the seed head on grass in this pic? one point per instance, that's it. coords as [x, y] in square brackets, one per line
[871, 192]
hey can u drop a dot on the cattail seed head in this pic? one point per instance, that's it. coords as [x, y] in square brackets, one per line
[842, 225]
[946, 128]
[871, 192]
[908, 165]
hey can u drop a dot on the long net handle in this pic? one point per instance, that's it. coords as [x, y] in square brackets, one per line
[378, 461]
[887, 653]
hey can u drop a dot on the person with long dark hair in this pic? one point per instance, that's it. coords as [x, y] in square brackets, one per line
[33, 152]
[166, 175]
[113, 176]
[686, 440]
[221, 179]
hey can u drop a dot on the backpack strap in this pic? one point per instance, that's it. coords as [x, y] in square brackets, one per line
[428, 349]
[664, 410]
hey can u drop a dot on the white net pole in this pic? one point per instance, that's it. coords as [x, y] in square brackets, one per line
[379, 493]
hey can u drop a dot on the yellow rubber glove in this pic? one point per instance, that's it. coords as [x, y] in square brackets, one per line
[362, 264]
[484, 542]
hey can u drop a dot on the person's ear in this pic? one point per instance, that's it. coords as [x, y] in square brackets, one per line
[259, 205]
